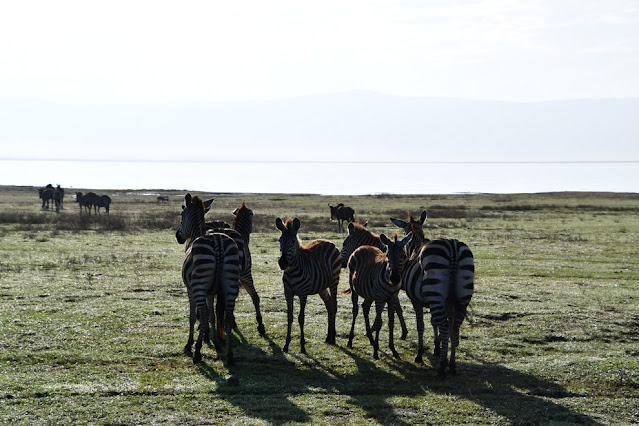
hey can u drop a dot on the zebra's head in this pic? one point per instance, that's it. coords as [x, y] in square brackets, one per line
[357, 235]
[396, 255]
[192, 218]
[289, 243]
[412, 227]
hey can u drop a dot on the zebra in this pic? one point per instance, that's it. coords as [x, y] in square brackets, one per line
[444, 281]
[359, 236]
[310, 269]
[211, 268]
[61, 190]
[376, 276]
[412, 279]
[341, 213]
[240, 232]
[101, 201]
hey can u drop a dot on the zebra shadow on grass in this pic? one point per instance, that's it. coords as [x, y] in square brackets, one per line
[381, 390]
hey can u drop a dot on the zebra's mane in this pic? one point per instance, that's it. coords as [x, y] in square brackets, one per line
[240, 210]
[359, 228]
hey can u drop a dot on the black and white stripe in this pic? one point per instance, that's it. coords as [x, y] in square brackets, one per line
[376, 277]
[413, 279]
[449, 279]
[359, 236]
[241, 233]
[310, 269]
[210, 270]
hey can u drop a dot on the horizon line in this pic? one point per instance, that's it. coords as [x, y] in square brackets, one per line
[100, 160]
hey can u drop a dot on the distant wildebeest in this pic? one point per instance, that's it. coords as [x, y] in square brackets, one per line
[341, 213]
[102, 201]
[61, 195]
[85, 200]
[163, 199]
[46, 194]
[58, 196]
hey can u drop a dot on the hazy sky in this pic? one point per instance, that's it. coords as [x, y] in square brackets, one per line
[130, 51]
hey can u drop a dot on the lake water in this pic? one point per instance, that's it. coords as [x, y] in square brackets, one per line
[327, 178]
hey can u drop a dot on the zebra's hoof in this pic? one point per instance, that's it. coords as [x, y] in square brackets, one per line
[261, 329]
[419, 359]
[197, 358]
[404, 335]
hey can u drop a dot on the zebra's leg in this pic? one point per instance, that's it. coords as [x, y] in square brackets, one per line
[247, 283]
[230, 319]
[439, 317]
[366, 308]
[419, 317]
[400, 315]
[192, 318]
[377, 326]
[458, 319]
[436, 340]
[328, 302]
[289, 317]
[355, 300]
[300, 320]
[392, 304]
[204, 329]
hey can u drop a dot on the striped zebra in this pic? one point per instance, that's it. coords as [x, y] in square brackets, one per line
[211, 269]
[413, 279]
[376, 277]
[310, 269]
[240, 232]
[447, 272]
[359, 236]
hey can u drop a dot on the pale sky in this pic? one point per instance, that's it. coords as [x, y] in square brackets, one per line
[157, 51]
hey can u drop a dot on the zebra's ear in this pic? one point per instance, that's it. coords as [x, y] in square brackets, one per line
[365, 224]
[280, 224]
[187, 199]
[296, 224]
[384, 239]
[207, 205]
[351, 227]
[422, 218]
[399, 223]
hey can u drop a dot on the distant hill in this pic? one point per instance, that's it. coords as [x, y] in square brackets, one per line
[351, 126]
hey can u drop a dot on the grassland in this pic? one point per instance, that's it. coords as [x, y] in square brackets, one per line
[93, 317]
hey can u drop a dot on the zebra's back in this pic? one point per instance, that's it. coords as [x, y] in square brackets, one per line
[449, 272]
[316, 267]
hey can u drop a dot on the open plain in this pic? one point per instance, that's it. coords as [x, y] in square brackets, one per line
[94, 316]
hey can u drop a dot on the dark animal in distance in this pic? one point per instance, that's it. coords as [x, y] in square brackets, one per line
[162, 199]
[342, 213]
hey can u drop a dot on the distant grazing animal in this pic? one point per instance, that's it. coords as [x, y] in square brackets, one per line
[376, 276]
[211, 269]
[310, 269]
[61, 191]
[162, 199]
[102, 201]
[85, 200]
[342, 213]
[359, 236]
[58, 196]
[448, 278]
[46, 194]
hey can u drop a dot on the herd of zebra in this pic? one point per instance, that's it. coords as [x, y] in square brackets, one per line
[437, 274]
[88, 201]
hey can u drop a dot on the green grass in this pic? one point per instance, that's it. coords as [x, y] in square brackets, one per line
[94, 317]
